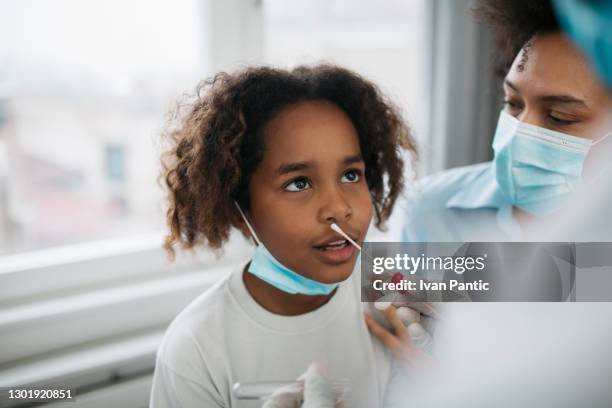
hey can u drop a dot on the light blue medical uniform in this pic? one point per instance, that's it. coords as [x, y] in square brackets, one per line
[463, 204]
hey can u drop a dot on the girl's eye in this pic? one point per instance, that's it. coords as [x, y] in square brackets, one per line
[299, 184]
[351, 176]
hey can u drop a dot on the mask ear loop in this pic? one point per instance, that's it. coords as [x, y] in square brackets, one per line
[597, 178]
[601, 139]
[253, 234]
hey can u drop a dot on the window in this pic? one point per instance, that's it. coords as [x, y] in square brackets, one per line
[84, 88]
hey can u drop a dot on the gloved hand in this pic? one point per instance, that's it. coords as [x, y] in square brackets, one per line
[290, 396]
[312, 390]
[420, 318]
[399, 339]
[412, 323]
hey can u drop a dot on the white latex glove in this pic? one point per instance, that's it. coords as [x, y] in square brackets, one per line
[312, 390]
[398, 339]
[420, 318]
[290, 396]
[407, 329]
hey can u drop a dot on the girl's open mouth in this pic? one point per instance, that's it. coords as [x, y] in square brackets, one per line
[335, 252]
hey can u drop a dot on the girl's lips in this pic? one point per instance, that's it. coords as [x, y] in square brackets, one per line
[335, 256]
[334, 237]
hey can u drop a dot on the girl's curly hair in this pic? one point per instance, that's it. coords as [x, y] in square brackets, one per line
[514, 23]
[216, 145]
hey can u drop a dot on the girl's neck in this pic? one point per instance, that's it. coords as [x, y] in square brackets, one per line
[278, 302]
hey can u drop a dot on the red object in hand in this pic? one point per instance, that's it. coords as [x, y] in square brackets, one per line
[397, 278]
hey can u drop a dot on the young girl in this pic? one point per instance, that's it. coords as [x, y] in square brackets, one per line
[280, 155]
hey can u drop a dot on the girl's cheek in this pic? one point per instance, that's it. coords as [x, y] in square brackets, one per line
[366, 208]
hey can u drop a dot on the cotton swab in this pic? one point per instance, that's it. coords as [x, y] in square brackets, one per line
[336, 228]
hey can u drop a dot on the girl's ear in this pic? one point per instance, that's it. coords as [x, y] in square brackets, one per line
[241, 225]
[239, 221]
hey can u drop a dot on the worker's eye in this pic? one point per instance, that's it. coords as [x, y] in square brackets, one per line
[298, 184]
[351, 176]
[559, 119]
[512, 107]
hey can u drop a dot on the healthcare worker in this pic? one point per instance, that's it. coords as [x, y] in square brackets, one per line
[545, 369]
[554, 124]
[587, 23]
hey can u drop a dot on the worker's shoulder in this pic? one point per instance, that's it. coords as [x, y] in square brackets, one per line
[434, 191]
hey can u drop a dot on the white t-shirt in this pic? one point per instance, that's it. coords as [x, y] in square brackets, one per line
[225, 336]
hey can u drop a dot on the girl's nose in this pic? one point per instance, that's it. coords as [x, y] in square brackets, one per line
[334, 207]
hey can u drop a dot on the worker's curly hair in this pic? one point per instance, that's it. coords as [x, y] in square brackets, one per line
[514, 23]
[214, 143]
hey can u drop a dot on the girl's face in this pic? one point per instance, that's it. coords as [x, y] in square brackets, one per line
[311, 175]
[555, 88]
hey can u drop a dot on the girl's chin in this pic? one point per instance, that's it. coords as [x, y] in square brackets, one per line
[338, 274]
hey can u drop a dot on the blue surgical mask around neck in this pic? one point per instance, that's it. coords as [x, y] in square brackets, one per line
[267, 268]
[536, 168]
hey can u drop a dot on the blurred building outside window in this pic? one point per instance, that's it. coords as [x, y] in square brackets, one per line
[84, 89]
